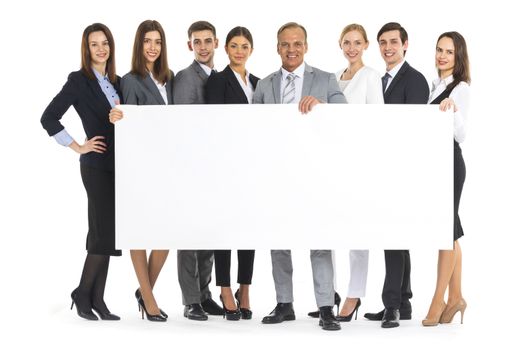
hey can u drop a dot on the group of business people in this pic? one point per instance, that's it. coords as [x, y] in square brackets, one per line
[95, 91]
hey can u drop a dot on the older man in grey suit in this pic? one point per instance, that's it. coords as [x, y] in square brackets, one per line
[297, 82]
[195, 266]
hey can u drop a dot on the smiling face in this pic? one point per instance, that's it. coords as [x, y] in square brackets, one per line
[203, 44]
[98, 48]
[353, 45]
[292, 46]
[392, 48]
[445, 56]
[238, 50]
[152, 46]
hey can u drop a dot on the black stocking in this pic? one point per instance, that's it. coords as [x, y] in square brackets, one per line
[90, 291]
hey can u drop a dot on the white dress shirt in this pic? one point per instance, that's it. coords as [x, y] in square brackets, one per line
[206, 69]
[364, 87]
[246, 87]
[393, 73]
[299, 79]
[161, 87]
[461, 97]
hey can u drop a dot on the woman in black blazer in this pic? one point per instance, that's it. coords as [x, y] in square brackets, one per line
[231, 86]
[149, 83]
[92, 91]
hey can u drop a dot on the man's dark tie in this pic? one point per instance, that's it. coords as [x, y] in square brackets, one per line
[384, 80]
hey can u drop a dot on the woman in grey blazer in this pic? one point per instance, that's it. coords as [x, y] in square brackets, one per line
[148, 83]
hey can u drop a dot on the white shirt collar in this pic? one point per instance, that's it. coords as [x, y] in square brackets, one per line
[299, 71]
[444, 82]
[396, 69]
[206, 69]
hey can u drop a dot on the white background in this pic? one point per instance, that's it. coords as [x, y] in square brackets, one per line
[43, 206]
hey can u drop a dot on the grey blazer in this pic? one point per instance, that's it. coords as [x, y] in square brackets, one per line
[189, 85]
[143, 91]
[317, 83]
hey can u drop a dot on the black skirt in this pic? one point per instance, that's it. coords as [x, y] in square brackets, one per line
[100, 188]
[459, 180]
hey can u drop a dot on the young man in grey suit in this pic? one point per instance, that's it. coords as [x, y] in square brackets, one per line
[297, 82]
[195, 266]
[402, 84]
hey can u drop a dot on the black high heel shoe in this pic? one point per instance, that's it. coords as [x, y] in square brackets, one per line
[337, 302]
[138, 296]
[104, 313]
[86, 314]
[153, 318]
[230, 315]
[349, 317]
[246, 314]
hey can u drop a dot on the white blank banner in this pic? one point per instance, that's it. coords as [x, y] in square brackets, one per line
[265, 176]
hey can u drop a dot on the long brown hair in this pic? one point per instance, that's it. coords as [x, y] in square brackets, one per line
[161, 70]
[461, 71]
[86, 56]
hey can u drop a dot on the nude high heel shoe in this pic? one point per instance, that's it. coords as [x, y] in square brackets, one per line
[448, 315]
[434, 321]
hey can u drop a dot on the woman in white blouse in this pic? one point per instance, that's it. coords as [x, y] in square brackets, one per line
[451, 91]
[360, 84]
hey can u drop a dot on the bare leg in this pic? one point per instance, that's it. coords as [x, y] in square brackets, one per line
[227, 298]
[157, 258]
[140, 264]
[244, 296]
[454, 287]
[348, 306]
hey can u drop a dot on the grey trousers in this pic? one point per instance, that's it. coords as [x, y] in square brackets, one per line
[322, 270]
[194, 269]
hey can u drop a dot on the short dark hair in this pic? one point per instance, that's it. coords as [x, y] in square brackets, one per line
[393, 26]
[161, 70]
[292, 25]
[239, 31]
[199, 26]
[86, 56]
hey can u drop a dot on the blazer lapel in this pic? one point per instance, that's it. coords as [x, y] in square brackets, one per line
[234, 83]
[100, 98]
[200, 72]
[308, 79]
[153, 89]
[276, 84]
[169, 89]
[398, 77]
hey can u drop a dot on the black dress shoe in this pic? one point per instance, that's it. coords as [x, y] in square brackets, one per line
[82, 310]
[195, 312]
[337, 301]
[212, 308]
[138, 296]
[327, 319]
[246, 314]
[390, 318]
[105, 314]
[282, 312]
[405, 314]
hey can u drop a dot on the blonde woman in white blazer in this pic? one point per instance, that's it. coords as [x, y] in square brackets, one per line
[360, 84]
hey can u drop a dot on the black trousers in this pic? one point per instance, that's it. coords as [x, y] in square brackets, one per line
[100, 188]
[396, 289]
[245, 260]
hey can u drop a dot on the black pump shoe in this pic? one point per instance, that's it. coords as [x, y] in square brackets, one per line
[349, 317]
[86, 314]
[138, 296]
[106, 316]
[337, 302]
[153, 318]
[246, 314]
[230, 315]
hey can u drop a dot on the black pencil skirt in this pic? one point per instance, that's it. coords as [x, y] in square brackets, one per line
[459, 180]
[100, 188]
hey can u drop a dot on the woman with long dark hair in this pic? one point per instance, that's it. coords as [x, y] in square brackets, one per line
[451, 91]
[92, 91]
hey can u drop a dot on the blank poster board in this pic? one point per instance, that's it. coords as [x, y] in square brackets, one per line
[268, 177]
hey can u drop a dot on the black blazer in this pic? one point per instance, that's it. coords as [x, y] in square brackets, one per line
[92, 106]
[224, 88]
[408, 87]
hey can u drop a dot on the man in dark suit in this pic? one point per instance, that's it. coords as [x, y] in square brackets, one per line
[195, 266]
[402, 84]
